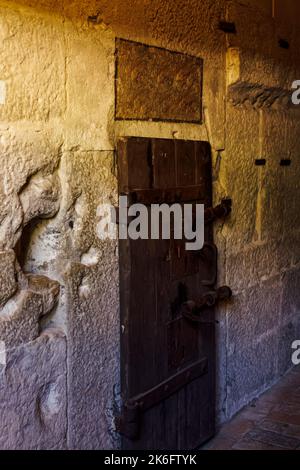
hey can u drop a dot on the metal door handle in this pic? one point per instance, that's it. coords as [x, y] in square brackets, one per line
[192, 310]
[221, 211]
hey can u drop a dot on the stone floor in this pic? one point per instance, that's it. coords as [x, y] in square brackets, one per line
[270, 423]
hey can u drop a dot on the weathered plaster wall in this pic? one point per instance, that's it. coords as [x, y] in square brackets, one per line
[57, 140]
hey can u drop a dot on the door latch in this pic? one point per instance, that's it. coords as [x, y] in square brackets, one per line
[192, 310]
[221, 211]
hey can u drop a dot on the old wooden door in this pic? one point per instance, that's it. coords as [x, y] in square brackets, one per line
[167, 361]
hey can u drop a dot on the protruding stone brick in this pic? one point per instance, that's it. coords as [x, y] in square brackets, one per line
[8, 281]
[33, 395]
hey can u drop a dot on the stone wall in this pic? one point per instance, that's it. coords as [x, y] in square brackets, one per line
[59, 312]
[57, 166]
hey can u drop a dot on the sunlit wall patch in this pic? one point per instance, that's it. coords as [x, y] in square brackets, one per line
[2, 353]
[2, 92]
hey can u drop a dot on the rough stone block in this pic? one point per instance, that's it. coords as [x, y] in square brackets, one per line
[289, 176]
[90, 88]
[238, 166]
[251, 371]
[33, 395]
[291, 295]
[275, 192]
[33, 73]
[257, 263]
[221, 372]
[27, 150]
[49, 290]
[41, 197]
[93, 304]
[8, 281]
[20, 317]
[292, 246]
[252, 314]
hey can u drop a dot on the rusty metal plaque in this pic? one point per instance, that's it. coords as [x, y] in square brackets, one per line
[157, 84]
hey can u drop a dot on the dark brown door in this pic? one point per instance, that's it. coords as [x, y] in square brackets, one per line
[167, 360]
